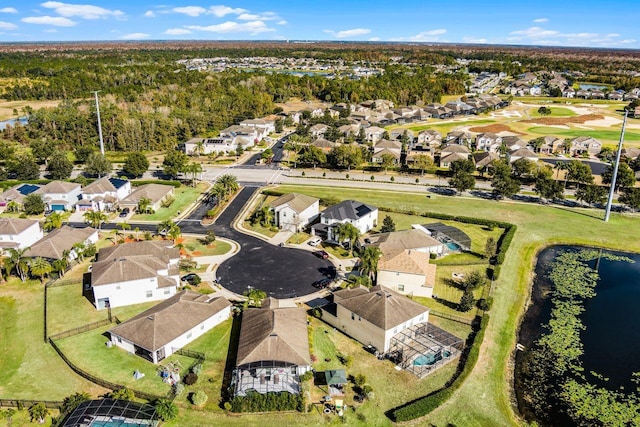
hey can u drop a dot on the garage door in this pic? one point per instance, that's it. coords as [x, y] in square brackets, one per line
[57, 207]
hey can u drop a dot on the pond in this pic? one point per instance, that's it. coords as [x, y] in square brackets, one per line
[611, 337]
[12, 122]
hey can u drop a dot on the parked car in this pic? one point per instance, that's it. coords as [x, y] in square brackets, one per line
[192, 278]
[315, 241]
[124, 212]
[321, 254]
[322, 283]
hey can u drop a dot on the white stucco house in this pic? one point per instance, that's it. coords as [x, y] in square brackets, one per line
[60, 195]
[156, 193]
[159, 331]
[18, 233]
[103, 194]
[62, 242]
[132, 273]
[373, 316]
[294, 211]
[364, 217]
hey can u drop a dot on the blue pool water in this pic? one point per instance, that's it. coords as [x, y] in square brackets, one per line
[429, 359]
[453, 246]
[116, 423]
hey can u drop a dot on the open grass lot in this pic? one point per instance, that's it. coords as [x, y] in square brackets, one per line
[298, 238]
[195, 247]
[30, 368]
[7, 107]
[485, 397]
[611, 135]
[555, 112]
[183, 198]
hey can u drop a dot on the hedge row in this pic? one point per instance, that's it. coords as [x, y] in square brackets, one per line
[425, 405]
[272, 401]
[139, 182]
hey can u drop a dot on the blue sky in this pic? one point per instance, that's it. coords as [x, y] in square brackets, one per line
[612, 23]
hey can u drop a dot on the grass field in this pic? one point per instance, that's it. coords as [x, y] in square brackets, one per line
[610, 135]
[183, 198]
[485, 398]
[196, 248]
[555, 112]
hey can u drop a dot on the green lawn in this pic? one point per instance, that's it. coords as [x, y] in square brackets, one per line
[610, 135]
[298, 238]
[260, 229]
[196, 248]
[484, 399]
[443, 128]
[183, 198]
[337, 251]
[555, 112]
[31, 369]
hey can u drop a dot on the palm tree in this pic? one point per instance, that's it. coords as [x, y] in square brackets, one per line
[78, 249]
[123, 226]
[194, 168]
[19, 262]
[229, 182]
[40, 267]
[266, 216]
[144, 204]
[53, 221]
[95, 218]
[13, 206]
[369, 261]
[254, 297]
[199, 148]
[560, 166]
[60, 266]
[3, 263]
[174, 232]
[347, 231]
[354, 281]
[165, 226]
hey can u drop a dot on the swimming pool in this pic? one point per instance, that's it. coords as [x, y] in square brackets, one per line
[117, 423]
[452, 246]
[430, 359]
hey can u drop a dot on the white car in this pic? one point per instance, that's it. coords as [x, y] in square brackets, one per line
[315, 241]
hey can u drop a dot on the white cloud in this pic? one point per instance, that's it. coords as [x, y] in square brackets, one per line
[150, 14]
[50, 30]
[177, 31]
[252, 27]
[474, 40]
[428, 36]
[374, 39]
[190, 10]
[282, 22]
[85, 11]
[263, 16]
[7, 26]
[221, 10]
[8, 10]
[543, 36]
[134, 36]
[57, 21]
[541, 20]
[348, 33]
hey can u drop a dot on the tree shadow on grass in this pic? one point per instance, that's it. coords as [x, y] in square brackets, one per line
[450, 304]
[230, 363]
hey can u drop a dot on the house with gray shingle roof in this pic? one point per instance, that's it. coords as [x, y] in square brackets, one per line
[157, 193]
[102, 194]
[273, 350]
[295, 211]
[364, 217]
[60, 195]
[373, 316]
[16, 194]
[132, 273]
[159, 331]
[18, 233]
[61, 242]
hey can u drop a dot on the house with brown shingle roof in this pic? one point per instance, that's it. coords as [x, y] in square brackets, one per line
[132, 273]
[16, 194]
[61, 242]
[295, 211]
[157, 193]
[18, 233]
[373, 316]
[102, 194]
[273, 350]
[159, 331]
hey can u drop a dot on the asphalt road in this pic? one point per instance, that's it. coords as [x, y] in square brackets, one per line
[281, 272]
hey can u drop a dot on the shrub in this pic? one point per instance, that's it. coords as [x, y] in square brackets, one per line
[178, 389]
[484, 304]
[345, 359]
[167, 202]
[191, 378]
[227, 406]
[140, 182]
[392, 179]
[166, 409]
[372, 178]
[417, 180]
[347, 176]
[199, 398]
[303, 173]
[433, 255]
[258, 402]
[324, 174]
[317, 312]
[122, 394]
[197, 369]
[306, 376]
[211, 213]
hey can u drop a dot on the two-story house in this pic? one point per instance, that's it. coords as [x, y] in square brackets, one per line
[18, 233]
[103, 194]
[364, 217]
[295, 211]
[60, 195]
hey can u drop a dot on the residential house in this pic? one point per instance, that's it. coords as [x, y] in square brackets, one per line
[452, 153]
[454, 238]
[428, 140]
[16, 195]
[513, 142]
[438, 111]
[60, 195]
[132, 273]
[551, 144]
[397, 241]
[155, 193]
[62, 242]
[460, 138]
[373, 316]
[318, 130]
[295, 211]
[364, 217]
[597, 94]
[18, 233]
[352, 129]
[484, 159]
[396, 134]
[373, 134]
[584, 144]
[273, 350]
[407, 272]
[163, 329]
[461, 108]
[221, 144]
[324, 144]
[314, 113]
[488, 142]
[268, 126]
[568, 92]
[616, 96]
[385, 146]
[521, 153]
[103, 194]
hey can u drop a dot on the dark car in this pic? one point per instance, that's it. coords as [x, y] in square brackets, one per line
[192, 279]
[321, 254]
[124, 212]
[321, 284]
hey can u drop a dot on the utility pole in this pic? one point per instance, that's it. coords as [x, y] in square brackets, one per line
[95, 92]
[607, 211]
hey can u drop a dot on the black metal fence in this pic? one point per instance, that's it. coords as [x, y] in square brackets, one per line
[458, 319]
[80, 329]
[20, 403]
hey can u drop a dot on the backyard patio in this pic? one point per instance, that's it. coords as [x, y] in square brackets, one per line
[266, 379]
